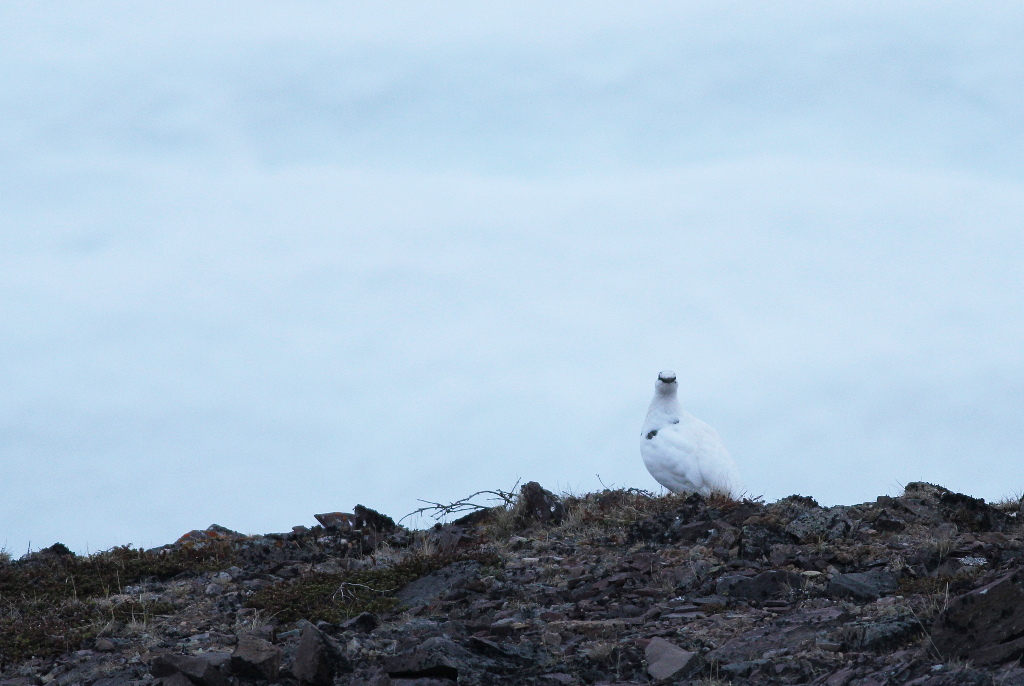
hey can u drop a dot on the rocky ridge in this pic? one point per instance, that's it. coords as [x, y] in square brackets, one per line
[616, 587]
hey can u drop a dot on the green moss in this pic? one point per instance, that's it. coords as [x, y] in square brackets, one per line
[47, 603]
[336, 597]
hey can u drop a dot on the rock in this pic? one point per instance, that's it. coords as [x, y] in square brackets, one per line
[863, 586]
[256, 657]
[176, 679]
[666, 660]
[819, 525]
[318, 659]
[985, 625]
[214, 532]
[364, 622]
[105, 645]
[758, 535]
[198, 670]
[535, 504]
[883, 634]
[764, 585]
[337, 521]
[885, 520]
[368, 519]
[969, 513]
[795, 631]
[437, 657]
[432, 586]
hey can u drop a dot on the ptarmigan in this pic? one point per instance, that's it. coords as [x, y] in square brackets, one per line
[683, 453]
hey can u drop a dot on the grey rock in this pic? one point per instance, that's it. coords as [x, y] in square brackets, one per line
[820, 525]
[863, 586]
[764, 585]
[667, 660]
[318, 659]
[985, 625]
[256, 657]
[432, 586]
[883, 634]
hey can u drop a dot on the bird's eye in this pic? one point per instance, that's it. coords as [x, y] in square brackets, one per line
[651, 434]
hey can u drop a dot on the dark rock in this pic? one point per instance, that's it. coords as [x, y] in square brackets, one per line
[885, 520]
[820, 525]
[198, 670]
[764, 585]
[667, 660]
[105, 645]
[884, 634]
[318, 658]
[535, 504]
[985, 625]
[373, 520]
[256, 657]
[863, 586]
[176, 679]
[476, 518]
[436, 584]
[969, 513]
[437, 657]
[364, 622]
[758, 535]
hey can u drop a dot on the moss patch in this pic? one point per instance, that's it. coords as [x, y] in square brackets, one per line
[336, 597]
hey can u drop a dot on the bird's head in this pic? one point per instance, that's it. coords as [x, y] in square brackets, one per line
[666, 382]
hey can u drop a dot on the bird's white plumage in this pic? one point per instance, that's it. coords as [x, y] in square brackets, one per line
[680, 451]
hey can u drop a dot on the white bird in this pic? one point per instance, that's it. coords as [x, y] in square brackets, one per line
[680, 451]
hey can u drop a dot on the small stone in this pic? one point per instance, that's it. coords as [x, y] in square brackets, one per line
[105, 645]
[551, 638]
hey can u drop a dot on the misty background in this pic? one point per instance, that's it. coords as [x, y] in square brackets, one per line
[261, 260]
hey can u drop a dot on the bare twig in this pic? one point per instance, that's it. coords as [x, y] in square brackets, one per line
[440, 510]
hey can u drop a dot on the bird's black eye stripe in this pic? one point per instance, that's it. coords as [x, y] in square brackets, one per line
[651, 434]
[675, 421]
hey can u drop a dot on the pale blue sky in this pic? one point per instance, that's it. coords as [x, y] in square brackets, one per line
[260, 260]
